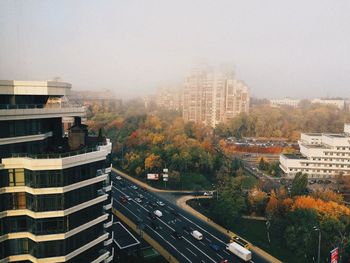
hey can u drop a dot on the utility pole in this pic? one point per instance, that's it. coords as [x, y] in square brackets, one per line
[319, 242]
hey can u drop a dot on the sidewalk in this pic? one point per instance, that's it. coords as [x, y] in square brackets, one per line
[181, 202]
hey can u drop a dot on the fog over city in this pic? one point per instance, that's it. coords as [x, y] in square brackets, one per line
[278, 48]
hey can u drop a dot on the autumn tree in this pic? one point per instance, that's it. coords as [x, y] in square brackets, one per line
[152, 161]
[257, 200]
[272, 205]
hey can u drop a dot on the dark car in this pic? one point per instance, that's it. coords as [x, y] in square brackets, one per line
[177, 234]
[123, 199]
[215, 247]
[154, 225]
[151, 215]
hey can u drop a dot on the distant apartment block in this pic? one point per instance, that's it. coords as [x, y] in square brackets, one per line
[55, 188]
[321, 155]
[285, 102]
[170, 99]
[212, 98]
[339, 103]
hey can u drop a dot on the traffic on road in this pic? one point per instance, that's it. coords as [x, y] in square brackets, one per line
[184, 236]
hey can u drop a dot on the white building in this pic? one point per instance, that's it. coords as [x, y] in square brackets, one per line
[285, 102]
[321, 155]
[339, 103]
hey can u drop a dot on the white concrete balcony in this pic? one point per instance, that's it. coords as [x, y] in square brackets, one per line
[107, 207]
[33, 111]
[103, 255]
[107, 188]
[108, 242]
[58, 161]
[27, 138]
[108, 170]
[108, 224]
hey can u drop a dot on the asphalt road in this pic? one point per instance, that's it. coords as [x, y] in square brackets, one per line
[186, 249]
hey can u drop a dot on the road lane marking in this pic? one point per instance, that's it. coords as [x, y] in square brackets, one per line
[204, 230]
[200, 250]
[226, 252]
[170, 244]
[208, 240]
[126, 208]
[173, 237]
[219, 256]
[191, 252]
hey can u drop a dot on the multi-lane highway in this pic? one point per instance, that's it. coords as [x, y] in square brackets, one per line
[139, 204]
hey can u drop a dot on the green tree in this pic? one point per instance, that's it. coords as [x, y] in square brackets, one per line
[299, 184]
[300, 235]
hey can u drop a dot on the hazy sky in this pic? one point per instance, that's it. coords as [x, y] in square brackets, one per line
[298, 48]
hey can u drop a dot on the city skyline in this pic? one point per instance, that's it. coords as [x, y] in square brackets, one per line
[293, 49]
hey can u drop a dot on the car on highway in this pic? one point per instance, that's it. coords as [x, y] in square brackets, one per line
[177, 235]
[141, 196]
[151, 215]
[134, 187]
[123, 199]
[118, 177]
[197, 235]
[209, 193]
[138, 200]
[154, 225]
[215, 247]
[158, 213]
[128, 197]
[160, 203]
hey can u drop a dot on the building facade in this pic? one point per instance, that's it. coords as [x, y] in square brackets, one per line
[285, 102]
[321, 155]
[170, 99]
[212, 98]
[55, 202]
[339, 103]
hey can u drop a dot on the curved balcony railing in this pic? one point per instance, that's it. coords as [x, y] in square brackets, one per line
[39, 106]
[59, 155]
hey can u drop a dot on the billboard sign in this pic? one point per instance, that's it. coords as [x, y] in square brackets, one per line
[154, 177]
[334, 255]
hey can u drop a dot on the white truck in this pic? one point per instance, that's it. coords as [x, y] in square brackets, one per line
[158, 213]
[197, 235]
[239, 251]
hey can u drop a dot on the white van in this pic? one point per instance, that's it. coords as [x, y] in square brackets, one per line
[197, 235]
[158, 213]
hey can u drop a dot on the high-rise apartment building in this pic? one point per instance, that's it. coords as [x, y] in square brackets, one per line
[55, 202]
[211, 98]
[322, 155]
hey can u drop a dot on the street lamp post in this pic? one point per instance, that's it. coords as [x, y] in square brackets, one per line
[319, 242]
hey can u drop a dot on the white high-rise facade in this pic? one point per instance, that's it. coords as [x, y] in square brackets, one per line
[321, 155]
[211, 98]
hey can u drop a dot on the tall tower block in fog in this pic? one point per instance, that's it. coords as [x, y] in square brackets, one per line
[211, 98]
[55, 187]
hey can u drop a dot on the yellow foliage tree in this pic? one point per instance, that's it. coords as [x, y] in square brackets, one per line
[152, 161]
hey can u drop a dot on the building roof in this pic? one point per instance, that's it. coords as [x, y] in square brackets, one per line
[17, 87]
